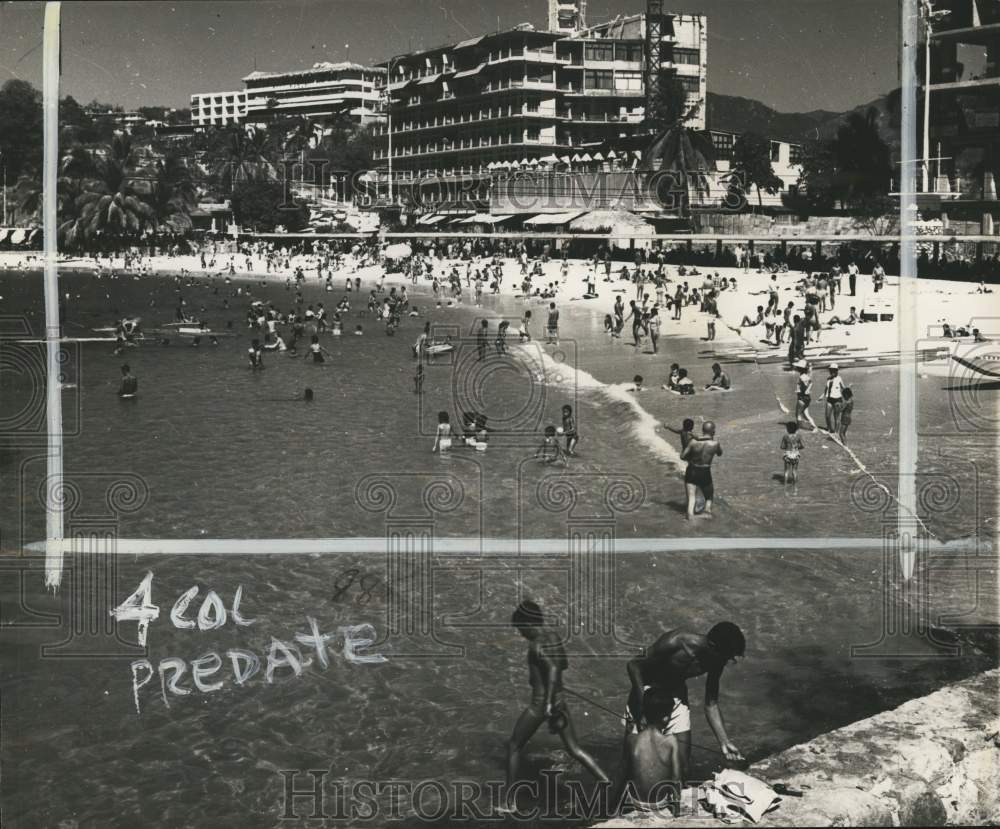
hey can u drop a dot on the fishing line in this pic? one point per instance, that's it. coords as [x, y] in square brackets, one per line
[620, 716]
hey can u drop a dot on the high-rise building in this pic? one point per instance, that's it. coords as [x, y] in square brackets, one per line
[964, 136]
[523, 94]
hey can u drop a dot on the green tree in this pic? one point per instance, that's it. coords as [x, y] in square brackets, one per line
[863, 160]
[238, 154]
[751, 166]
[20, 128]
[109, 206]
[263, 205]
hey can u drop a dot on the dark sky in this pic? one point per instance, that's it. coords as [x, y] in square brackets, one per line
[794, 55]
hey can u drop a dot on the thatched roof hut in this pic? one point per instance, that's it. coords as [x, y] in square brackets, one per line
[619, 223]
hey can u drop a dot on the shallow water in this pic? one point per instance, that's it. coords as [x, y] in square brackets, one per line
[224, 452]
[75, 748]
[213, 450]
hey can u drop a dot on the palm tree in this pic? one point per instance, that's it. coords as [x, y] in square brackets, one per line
[244, 155]
[687, 155]
[108, 204]
[174, 194]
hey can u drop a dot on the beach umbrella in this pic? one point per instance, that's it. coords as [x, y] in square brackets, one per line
[533, 162]
[491, 165]
[576, 157]
[586, 157]
[551, 159]
[612, 154]
[524, 162]
[564, 159]
[598, 157]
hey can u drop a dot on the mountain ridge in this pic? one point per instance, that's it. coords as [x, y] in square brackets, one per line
[732, 113]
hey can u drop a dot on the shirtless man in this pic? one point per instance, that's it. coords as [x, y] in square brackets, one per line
[652, 759]
[674, 658]
[698, 476]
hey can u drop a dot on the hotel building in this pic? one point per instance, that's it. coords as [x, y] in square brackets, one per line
[349, 90]
[526, 94]
[218, 109]
[965, 108]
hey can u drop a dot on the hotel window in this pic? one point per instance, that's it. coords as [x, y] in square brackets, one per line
[533, 135]
[723, 143]
[599, 51]
[598, 79]
[775, 151]
[691, 85]
[691, 57]
[631, 52]
[628, 81]
[795, 154]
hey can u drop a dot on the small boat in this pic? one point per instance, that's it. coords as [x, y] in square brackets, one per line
[981, 358]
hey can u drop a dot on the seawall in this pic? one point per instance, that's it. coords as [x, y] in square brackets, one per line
[931, 761]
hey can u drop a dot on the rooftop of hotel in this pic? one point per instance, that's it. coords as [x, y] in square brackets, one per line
[321, 66]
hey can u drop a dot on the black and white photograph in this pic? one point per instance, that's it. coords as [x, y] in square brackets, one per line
[547, 413]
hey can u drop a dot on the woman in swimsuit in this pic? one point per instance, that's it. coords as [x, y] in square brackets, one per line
[443, 436]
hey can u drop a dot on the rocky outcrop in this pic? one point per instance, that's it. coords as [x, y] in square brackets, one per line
[932, 761]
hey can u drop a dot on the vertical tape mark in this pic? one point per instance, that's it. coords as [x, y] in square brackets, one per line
[53, 488]
[907, 300]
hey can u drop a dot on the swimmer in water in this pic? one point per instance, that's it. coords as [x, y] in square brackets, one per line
[255, 355]
[317, 351]
[699, 455]
[550, 451]
[128, 388]
[443, 436]
[307, 395]
[546, 663]
[686, 432]
[636, 383]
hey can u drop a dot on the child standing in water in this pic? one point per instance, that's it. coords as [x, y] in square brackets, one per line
[523, 332]
[550, 451]
[546, 663]
[442, 438]
[418, 379]
[569, 430]
[686, 432]
[791, 446]
[845, 414]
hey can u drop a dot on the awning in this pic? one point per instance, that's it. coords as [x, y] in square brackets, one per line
[431, 220]
[469, 72]
[429, 79]
[4, 233]
[552, 219]
[484, 219]
[472, 41]
[18, 236]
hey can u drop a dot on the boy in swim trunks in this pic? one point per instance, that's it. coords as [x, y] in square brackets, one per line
[846, 410]
[546, 663]
[686, 432]
[674, 658]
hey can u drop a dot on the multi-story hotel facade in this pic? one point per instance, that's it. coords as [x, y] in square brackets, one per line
[326, 90]
[525, 94]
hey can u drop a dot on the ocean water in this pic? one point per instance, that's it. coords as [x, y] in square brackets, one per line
[220, 451]
[212, 450]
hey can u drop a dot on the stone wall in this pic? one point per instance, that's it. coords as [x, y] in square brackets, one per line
[932, 761]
